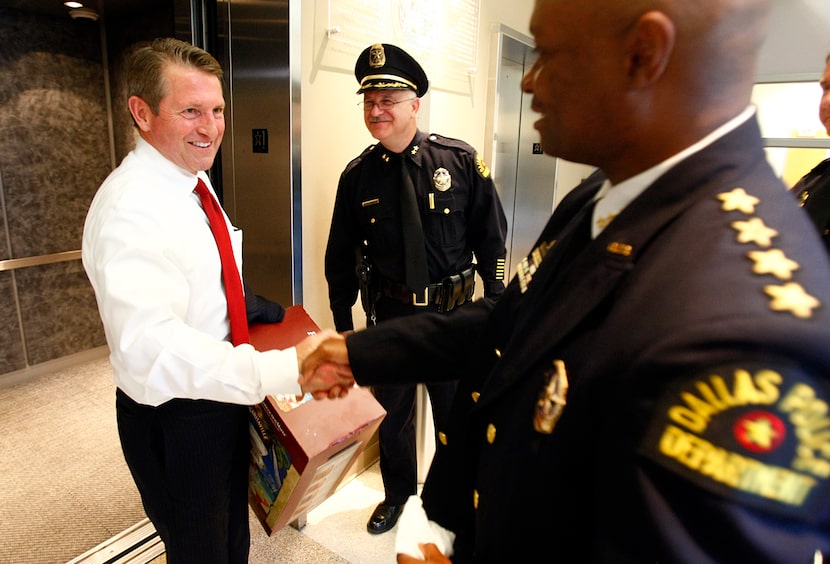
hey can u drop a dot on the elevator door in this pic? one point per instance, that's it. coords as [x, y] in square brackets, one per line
[529, 182]
[260, 192]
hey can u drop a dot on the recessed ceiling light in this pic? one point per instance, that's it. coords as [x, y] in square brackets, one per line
[83, 14]
[72, 4]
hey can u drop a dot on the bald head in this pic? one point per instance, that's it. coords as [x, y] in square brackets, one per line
[643, 78]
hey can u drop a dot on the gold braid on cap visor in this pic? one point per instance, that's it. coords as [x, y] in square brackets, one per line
[398, 82]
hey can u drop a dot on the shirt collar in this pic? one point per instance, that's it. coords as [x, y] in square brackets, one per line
[611, 200]
[167, 169]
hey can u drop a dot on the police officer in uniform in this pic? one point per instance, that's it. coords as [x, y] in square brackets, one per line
[653, 386]
[370, 249]
[813, 190]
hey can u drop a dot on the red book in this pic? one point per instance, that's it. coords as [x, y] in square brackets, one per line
[294, 327]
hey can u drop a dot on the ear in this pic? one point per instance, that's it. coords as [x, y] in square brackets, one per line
[651, 47]
[140, 111]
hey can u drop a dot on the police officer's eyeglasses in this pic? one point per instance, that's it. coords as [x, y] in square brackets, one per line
[384, 104]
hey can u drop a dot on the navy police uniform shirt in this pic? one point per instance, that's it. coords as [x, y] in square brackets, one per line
[461, 216]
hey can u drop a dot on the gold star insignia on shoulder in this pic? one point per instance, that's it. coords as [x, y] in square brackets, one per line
[773, 262]
[415, 149]
[793, 298]
[385, 157]
[754, 231]
[739, 200]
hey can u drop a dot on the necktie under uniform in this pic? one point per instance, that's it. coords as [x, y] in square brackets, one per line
[230, 274]
[415, 257]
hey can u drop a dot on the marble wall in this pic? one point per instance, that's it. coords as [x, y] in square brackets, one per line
[55, 151]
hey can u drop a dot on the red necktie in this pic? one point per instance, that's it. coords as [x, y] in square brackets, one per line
[230, 274]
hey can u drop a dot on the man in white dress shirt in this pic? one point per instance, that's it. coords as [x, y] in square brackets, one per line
[182, 387]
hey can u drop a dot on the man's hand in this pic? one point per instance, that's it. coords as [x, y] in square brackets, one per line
[431, 554]
[331, 350]
[327, 379]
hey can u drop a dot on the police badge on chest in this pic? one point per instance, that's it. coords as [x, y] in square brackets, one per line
[552, 398]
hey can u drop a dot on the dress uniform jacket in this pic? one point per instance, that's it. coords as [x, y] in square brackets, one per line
[686, 353]
[461, 215]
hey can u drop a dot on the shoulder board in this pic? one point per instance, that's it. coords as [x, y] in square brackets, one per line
[358, 159]
[450, 142]
[821, 167]
[481, 166]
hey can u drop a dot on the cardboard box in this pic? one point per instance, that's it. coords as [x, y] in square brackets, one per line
[302, 450]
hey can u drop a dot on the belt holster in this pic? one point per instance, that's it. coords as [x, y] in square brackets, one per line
[456, 289]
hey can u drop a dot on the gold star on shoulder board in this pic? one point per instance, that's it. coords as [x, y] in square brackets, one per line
[773, 262]
[739, 200]
[754, 231]
[793, 298]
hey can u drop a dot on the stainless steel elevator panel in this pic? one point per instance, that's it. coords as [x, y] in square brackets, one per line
[253, 43]
[526, 178]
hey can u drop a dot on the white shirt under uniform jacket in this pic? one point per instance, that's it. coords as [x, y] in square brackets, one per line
[153, 263]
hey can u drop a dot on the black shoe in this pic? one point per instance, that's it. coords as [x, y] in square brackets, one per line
[384, 518]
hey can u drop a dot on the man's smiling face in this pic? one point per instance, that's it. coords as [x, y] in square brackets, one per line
[190, 123]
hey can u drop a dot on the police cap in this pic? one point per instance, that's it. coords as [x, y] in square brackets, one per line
[386, 67]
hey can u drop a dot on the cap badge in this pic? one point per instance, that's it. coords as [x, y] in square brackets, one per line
[442, 180]
[377, 56]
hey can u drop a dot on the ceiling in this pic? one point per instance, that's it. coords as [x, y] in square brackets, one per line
[797, 42]
[44, 7]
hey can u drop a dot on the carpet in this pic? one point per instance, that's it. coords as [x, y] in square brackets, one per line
[65, 485]
[65, 488]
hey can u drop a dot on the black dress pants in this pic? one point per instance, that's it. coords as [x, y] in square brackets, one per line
[189, 460]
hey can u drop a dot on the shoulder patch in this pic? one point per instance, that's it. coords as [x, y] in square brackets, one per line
[481, 167]
[756, 434]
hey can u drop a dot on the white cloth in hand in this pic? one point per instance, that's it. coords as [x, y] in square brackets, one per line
[415, 528]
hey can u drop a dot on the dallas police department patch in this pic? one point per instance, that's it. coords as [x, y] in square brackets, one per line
[756, 434]
[482, 168]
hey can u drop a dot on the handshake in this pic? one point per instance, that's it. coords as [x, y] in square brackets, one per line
[323, 361]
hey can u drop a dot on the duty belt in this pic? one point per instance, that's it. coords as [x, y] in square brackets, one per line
[451, 291]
